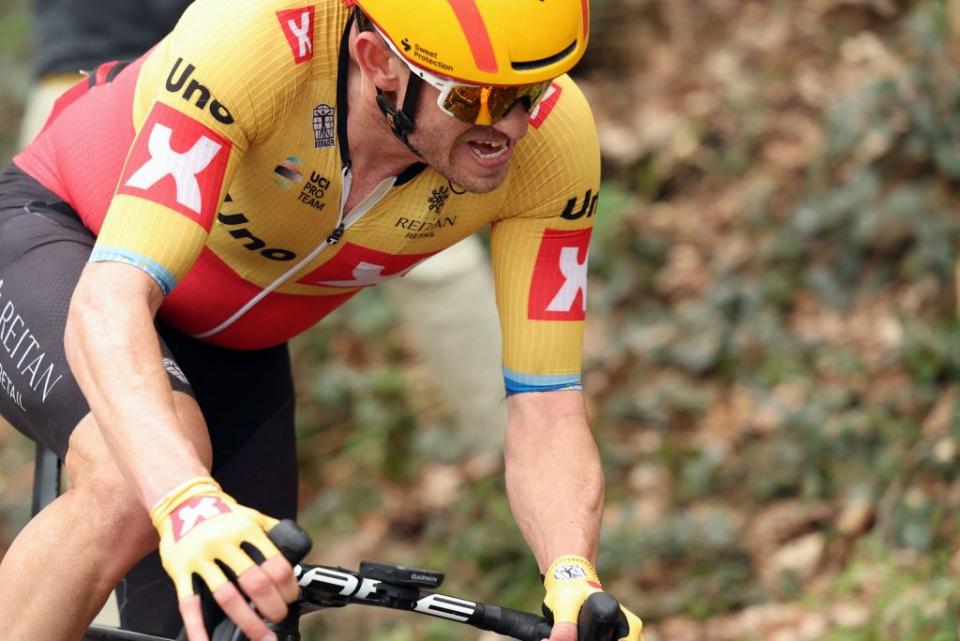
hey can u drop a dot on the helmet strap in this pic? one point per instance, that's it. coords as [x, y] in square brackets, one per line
[401, 120]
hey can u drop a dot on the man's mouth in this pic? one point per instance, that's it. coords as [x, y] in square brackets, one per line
[490, 151]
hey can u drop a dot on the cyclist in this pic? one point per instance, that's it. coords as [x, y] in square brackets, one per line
[458, 339]
[179, 218]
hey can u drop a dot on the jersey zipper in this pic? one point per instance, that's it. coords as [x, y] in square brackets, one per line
[344, 222]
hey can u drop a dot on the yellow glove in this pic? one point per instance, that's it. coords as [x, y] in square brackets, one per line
[568, 582]
[200, 524]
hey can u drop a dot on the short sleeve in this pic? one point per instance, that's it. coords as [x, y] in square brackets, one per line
[540, 244]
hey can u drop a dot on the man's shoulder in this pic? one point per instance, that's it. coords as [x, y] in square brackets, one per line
[558, 162]
[266, 37]
[215, 15]
[564, 101]
[237, 68]
[561, 144]
[561, 126]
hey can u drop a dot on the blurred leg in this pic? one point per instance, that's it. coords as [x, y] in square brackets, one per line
[448, 307]
[71, 555]
[40, 102]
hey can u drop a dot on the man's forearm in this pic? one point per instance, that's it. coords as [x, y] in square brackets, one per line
[553, 475]
[114, 353]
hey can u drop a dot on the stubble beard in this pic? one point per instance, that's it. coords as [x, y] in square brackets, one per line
[442, 157]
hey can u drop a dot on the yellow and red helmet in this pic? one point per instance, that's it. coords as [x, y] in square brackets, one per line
[486, 42]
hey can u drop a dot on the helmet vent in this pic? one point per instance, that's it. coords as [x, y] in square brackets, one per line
[530, 65]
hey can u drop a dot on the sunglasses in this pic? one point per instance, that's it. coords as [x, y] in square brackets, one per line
[477, 104]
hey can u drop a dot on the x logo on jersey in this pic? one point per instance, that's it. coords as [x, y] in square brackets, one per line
[356, 266]
[179, 163]
[558, 290]
[182, 167]
[297, 26]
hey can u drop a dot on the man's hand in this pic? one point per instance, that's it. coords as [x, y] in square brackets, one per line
[204, 532]
[568, 582]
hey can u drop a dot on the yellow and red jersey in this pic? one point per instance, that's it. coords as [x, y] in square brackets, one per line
[217, 163]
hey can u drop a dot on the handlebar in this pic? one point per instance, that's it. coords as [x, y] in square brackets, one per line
[392, 587]
[325, 587]
[598, 618]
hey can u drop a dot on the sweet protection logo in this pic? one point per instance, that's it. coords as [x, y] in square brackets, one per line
[559, 287]
[298, 26]
[179, 163]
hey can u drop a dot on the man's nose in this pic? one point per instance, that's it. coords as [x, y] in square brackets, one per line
[514, 124]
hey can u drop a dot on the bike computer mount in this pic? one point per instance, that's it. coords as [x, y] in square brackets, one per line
[401, 576]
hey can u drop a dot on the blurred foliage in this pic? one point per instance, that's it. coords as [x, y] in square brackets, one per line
[772, 356]
[14, 71]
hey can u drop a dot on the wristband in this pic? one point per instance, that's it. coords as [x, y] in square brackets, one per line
[181, 493]
[571, 568]
[569, 581]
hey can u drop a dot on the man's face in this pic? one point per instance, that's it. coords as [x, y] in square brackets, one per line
[473, 157]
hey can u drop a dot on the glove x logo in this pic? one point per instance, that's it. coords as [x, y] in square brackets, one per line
[194, 512]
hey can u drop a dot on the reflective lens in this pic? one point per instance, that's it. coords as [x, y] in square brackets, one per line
[475, 104]
[486, 105]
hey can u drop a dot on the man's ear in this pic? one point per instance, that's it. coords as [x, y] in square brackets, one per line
[376, 61]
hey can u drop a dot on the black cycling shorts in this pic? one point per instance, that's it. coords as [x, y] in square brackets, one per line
[246, 396]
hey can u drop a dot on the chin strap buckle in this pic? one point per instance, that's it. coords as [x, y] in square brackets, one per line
[400, 123]
[401, 120]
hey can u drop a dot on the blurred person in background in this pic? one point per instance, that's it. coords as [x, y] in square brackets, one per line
[446, 304]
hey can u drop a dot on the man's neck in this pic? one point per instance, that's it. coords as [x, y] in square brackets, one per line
[375, 151]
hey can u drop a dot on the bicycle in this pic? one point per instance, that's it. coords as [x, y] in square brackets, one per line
[374, 584]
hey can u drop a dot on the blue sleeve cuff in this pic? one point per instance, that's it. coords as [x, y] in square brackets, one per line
[518, 382]
[155, 270]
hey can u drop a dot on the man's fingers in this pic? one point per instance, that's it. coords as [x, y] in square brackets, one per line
[265, 594]
[564, 632]
[192, 615]
[633, 624]
[281, 573]
[236, 607]
[267, 523]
